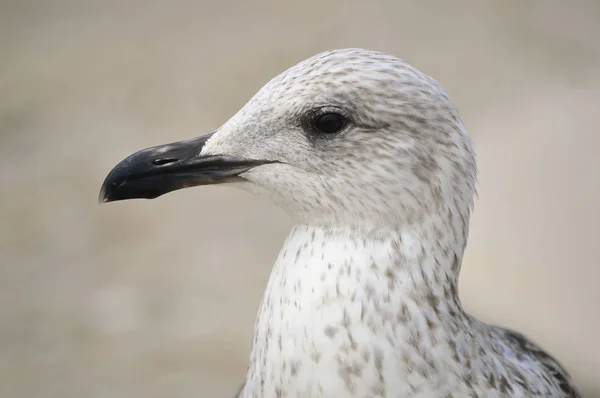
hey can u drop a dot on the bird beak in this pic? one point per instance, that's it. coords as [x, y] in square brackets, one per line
[156, 171]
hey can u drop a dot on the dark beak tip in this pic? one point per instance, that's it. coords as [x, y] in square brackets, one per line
[103, 196]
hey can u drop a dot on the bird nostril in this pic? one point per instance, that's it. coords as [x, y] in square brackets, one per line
[163, 161]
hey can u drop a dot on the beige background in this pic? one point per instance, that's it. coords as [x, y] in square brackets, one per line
[158, 298]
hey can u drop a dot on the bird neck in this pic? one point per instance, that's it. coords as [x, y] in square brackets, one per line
[334, 290]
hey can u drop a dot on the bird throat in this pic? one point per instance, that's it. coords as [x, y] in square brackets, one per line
[339, 303]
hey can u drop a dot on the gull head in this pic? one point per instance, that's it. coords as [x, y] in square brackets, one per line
[345, 137]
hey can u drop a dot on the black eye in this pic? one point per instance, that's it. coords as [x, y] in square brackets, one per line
[329, 123]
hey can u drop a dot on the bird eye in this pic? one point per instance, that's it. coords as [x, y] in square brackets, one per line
[329, 123]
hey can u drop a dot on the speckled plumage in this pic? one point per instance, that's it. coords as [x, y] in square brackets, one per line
[362, 300]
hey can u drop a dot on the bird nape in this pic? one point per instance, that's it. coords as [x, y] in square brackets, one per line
[374, 165]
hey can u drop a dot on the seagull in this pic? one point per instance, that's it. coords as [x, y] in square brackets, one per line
[375, 167]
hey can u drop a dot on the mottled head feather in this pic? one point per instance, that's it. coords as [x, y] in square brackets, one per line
[405, 153]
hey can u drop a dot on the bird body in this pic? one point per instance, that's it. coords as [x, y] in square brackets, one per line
[377, 170]
[346, 315]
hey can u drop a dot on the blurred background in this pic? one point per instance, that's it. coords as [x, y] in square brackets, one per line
[158, 298]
